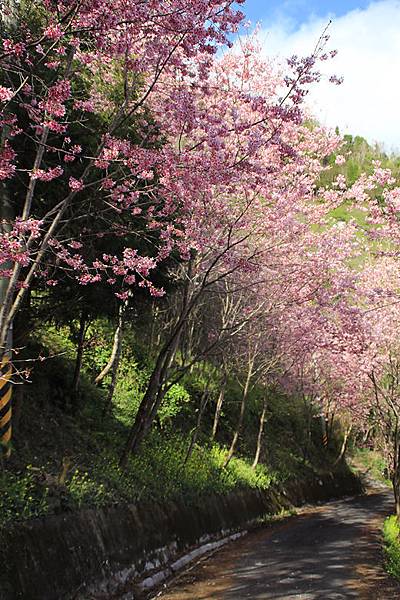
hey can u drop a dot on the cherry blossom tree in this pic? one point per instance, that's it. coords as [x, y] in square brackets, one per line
[247, 172]
[127, 140]
[70, 69]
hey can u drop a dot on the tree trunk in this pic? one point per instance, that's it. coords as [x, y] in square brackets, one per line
[218, 408]
[196, 430]
[330, 424]
[152, 415]
[114, 374]
[186, 350]
[305, 443]
[366, 436]
[159, 397]
[78, 361]
[396, 492]
[136, 433]
[6, 215]
[260, 434]
[217, 414]
[117, 345]
[156, 390]
[241, 413]
[396, 469]
[151, 400]
[344, 445]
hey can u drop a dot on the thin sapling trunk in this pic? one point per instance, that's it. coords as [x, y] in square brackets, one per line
[260, 434]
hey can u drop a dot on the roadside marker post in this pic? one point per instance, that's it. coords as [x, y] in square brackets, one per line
[5, 405]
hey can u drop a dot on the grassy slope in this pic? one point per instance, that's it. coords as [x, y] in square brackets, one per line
[48, 435]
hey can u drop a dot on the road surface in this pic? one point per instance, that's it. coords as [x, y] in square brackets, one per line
[329, 552]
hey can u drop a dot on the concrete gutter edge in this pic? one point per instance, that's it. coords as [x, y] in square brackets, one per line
[157, 578]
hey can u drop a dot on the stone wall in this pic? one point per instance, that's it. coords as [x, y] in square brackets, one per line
[95, 553]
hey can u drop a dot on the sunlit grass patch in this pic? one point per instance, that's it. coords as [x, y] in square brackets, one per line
[391, 536]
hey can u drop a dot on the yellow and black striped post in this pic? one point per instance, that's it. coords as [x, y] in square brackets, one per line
[5, 404]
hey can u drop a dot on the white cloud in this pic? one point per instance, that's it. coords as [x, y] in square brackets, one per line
[368, 41]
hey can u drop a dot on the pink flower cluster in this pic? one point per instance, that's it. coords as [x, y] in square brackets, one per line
[5, 94]
[7, 155]
[75, 184]
[47, 175]
[56, 97]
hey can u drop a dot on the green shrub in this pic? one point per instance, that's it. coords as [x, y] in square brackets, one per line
[85, 490]
[372, 461]
[21, 497]
[391, 535]
[173, 403]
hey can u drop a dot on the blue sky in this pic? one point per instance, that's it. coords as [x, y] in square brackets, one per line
[297, 11]
[367, 37]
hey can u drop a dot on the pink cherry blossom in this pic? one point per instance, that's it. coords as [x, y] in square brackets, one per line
[5, 94]
[75, 184]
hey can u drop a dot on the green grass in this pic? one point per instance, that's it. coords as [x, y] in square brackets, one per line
[371, 463]
[49, 434]
[157, 473]
[391, 536]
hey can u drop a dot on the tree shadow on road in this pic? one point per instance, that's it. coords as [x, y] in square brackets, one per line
[330, 552]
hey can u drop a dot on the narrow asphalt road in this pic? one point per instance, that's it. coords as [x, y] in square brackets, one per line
[326, 553]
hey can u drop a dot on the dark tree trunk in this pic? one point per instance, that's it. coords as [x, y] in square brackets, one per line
[196, 430]
[396, 469]
[156, 387]
[396, 492]
[151, 400]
